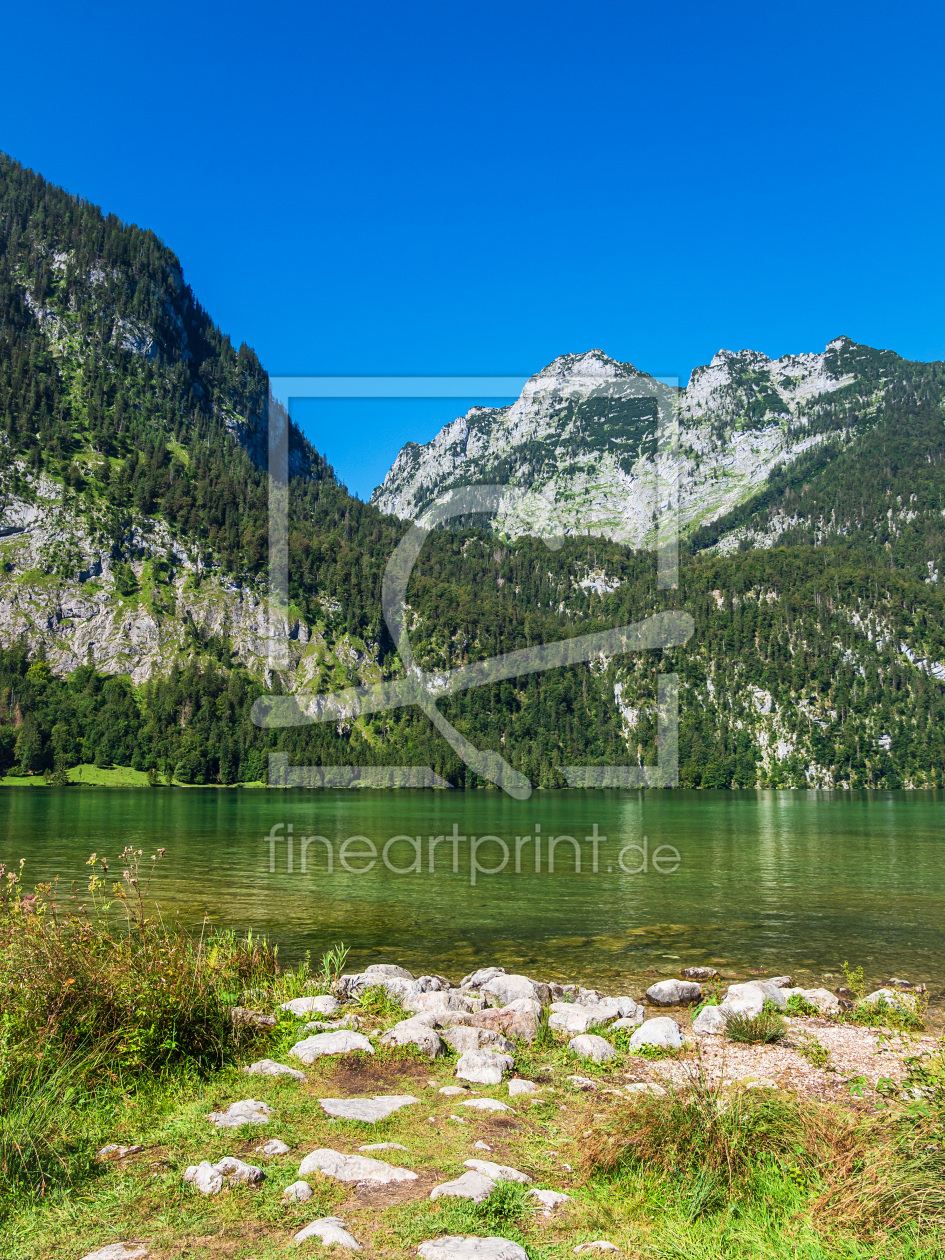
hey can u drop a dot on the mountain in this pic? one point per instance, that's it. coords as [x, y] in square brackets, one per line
[584, 443]
[133, 550]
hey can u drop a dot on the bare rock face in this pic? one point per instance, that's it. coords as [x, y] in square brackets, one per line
[353, 1168]
[485, 1104]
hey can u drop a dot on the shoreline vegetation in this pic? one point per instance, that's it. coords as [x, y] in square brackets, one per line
[186, 1094]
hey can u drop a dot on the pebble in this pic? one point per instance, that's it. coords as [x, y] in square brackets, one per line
[369, 1110]
[331, 1232]
[481, 1146]
[353, 1168]
[313, 1048]
[246, 1111]
[114, 1151]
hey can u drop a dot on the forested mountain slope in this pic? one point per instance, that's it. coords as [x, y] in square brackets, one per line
[133, 598]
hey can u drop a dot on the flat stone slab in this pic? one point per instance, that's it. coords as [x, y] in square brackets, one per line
[350, 1022]
[600, 1245]
[269, 1067]
[370, 1110]
[471, 1185]
[275, 1146]
[353, 1168]
[115, 1151]
[330, 1230]
[298, 1192]
[486, 1104]
[498, 1172]
[453, 1091]
[472, 1248]
[119, 1251]
[246, 1111]
[382, 1146]
[313, 1048]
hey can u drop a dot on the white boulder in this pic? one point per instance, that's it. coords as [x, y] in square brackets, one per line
[353, 1168]
[312, 1048]
[661, 1031]
[590, 1046]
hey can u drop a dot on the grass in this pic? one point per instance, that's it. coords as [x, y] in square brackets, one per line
[115, 1028]
[764, 1029]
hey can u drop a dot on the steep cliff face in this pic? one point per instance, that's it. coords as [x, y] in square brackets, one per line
[583, 442]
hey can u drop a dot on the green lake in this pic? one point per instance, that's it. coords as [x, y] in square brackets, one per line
[789, 881]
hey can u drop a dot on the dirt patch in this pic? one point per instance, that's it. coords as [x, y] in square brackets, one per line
[379, 1197]
[361, 1079]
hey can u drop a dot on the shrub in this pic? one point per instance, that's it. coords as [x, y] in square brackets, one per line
[763, 1029]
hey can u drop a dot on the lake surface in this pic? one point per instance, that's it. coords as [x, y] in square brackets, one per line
[790, 881]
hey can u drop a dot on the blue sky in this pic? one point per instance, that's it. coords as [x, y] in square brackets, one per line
[429, 188]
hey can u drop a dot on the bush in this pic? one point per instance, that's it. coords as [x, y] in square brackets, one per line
[763, 1029]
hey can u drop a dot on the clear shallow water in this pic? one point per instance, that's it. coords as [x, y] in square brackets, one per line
[795, 881]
